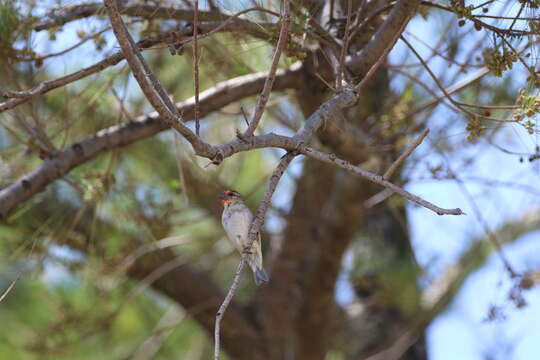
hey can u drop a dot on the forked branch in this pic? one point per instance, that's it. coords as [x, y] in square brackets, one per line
[149, 83]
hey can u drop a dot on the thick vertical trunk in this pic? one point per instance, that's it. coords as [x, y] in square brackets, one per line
[278, 303]
[385, 278]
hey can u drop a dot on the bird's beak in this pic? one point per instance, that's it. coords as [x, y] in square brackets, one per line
[221, 196]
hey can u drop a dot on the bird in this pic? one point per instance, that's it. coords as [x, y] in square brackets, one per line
[236, 220]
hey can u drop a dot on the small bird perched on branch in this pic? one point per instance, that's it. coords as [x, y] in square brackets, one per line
[236, 220]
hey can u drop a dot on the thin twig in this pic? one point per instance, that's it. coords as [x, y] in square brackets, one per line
[180, 168]
[9, 288]
[16, 98]
[35, 131]
[332, 159]
[138, 10]
[344, 48]
[66, 50]
[451, 90]
[446, 94]
[196, 64]
[372, 16]
[396, 164]
[321, 34]
[378, 198]
[258, 219]
[325, 82]
[243, 111]
[509, 32]
[223, 308]
[258, 30]
[497, 244]
[440, 54]
[132, 131]
[229, 20]
[265, 93]
[256, 224]
[479, 74]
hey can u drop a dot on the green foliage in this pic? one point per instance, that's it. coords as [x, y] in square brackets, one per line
[529, 110]
[396, 119]
[10, 23]
[499, 61]
[79, 321]
[533, 4]
[460, 10]
[14, 26]
[475, 128]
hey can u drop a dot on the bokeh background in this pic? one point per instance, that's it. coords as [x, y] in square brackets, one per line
[69, 247]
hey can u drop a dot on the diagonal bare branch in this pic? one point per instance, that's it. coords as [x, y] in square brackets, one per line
[16, 98]
[150, 85]
[129, 132]
[332, 159]
[399, 161]
[55, 168]
[59, 17]
[9, 288]
[384, 39]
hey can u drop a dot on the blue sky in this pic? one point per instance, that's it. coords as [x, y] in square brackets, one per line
[462, 332]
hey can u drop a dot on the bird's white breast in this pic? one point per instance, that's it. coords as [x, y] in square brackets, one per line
[236, 219]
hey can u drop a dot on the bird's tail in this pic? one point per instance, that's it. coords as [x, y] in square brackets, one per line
[259, 275]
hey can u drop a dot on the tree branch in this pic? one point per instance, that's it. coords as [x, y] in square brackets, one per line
[385, 37]
[265, 94]
[399, 161]
[132, 131]
[344, 49]
[19, 97]
[55, 168]
[150, 84]
[9, 288]
[255, 226]
[59, 17]
[332, 159]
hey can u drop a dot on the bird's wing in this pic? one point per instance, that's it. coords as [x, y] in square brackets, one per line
[257, 250]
